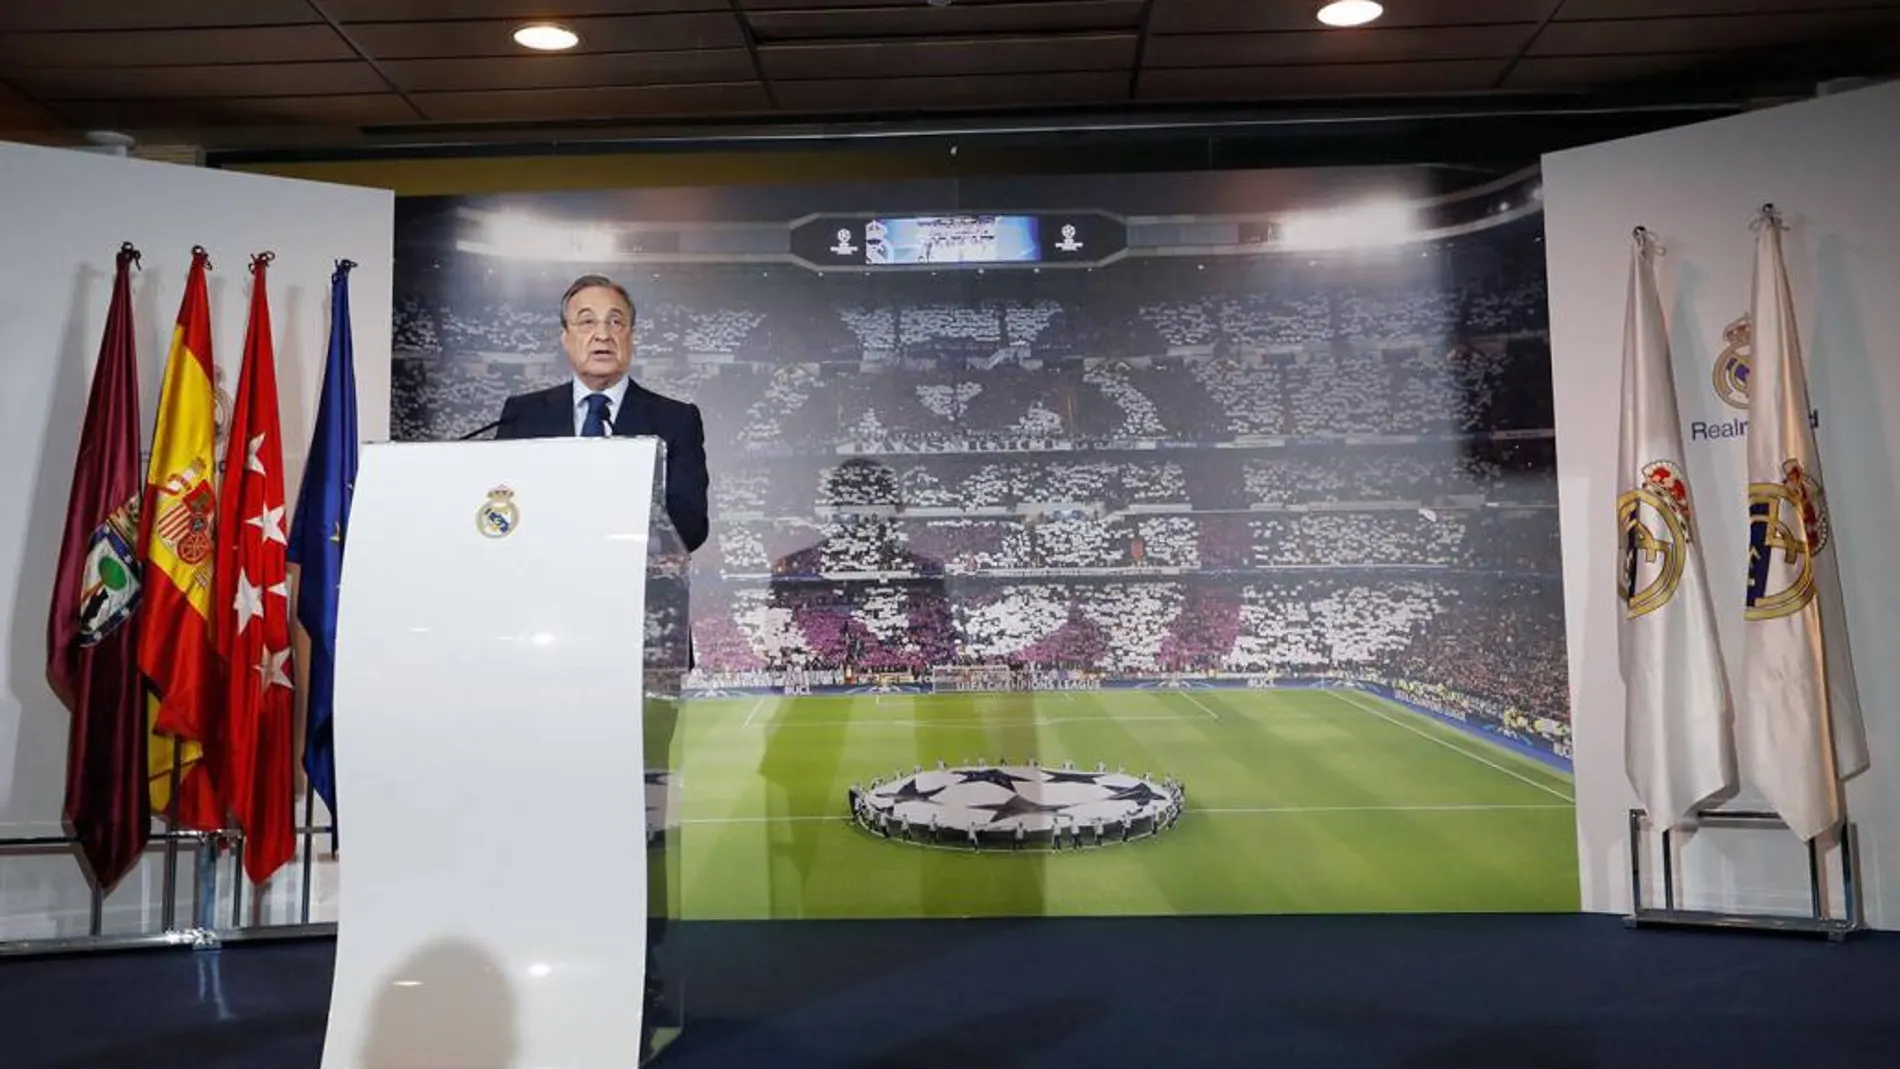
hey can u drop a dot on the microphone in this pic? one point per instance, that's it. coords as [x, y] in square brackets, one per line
[477, 432]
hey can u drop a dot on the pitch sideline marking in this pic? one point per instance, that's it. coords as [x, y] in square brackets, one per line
[760, 820]
[1477, 807]
[1190, 811]
[754, 711]
[1421, 733]
[979, 722]
[1198, 704]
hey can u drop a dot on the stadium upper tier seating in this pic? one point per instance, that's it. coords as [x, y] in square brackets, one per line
[1255, 464]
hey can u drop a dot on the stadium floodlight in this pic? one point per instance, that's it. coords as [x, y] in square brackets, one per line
[523, 236]
[1361, 226]
[1350, 12]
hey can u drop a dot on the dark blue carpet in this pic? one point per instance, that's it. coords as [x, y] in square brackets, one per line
[1450, 992]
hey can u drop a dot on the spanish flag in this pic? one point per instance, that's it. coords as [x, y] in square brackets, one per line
[177, 543]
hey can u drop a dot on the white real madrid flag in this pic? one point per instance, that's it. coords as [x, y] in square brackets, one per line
[1798, 722]
[1678, 743]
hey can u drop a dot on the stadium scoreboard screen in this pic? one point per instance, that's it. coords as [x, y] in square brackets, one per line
[958, 239]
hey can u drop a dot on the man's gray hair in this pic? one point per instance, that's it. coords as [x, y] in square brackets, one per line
[586, 282]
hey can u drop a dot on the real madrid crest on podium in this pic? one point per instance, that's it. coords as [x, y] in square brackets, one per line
[499, 516]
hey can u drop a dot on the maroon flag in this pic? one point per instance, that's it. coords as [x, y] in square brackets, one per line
[92, 628]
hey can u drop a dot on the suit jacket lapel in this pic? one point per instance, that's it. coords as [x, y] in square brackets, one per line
[628, 420]
[557, 414]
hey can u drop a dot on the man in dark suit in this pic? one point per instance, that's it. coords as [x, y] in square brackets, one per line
[601, 400]
[597, 318]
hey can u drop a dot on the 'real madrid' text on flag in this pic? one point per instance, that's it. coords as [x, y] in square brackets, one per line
[1678, 719]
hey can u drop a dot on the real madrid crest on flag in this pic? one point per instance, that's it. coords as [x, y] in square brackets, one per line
[1657, 527]
[1787, 529]
[1677, 727]
[499, 516]
[1798, 718]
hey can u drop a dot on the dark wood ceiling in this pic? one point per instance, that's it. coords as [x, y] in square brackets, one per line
[341, 72]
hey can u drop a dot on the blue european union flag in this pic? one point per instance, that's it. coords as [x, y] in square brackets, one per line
[317, 533]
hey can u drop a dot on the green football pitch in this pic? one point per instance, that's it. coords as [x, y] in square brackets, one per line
[1298, 801]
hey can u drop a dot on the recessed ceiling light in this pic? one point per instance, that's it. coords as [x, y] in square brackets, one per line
[546, 37]
[1350, 12]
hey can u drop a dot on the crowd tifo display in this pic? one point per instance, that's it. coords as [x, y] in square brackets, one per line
[1259, 468]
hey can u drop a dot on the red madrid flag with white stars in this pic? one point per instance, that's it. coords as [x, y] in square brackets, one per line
[254, 752]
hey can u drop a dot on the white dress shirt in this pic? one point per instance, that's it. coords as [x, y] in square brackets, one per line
[615, 394]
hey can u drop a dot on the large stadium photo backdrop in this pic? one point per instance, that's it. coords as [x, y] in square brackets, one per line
[1143, 545]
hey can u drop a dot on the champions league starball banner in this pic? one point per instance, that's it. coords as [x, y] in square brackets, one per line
[1141, 544]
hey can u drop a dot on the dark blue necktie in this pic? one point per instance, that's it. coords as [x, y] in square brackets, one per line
[595, 425]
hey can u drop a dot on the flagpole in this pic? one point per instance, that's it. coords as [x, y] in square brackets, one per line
[169, 908]
[309, 837]
[306, 828]
[205, 881]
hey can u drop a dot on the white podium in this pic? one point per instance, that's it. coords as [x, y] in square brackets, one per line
[509, 614]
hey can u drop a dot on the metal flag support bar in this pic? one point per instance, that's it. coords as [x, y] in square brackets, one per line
[203, 933]
[1818, 922]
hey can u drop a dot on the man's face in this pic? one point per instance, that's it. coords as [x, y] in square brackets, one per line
[598, 336]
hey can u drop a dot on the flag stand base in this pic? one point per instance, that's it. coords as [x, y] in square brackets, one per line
[1818, 922]
[202, 932]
